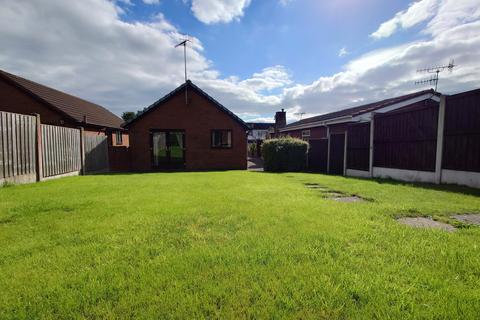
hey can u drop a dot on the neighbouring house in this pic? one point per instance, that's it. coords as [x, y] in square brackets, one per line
[327, 133]
[187, 129]
[258, 132]
[19, 95]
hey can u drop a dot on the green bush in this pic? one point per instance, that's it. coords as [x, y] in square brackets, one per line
[284, 154]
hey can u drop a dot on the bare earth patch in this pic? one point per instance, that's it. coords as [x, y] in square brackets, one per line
[468, 218]
[421, 222]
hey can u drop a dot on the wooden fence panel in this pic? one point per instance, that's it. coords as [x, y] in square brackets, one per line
[317, 155]
[60, 150]
[17, 147]
[407, 139]
[358, 146]
[461, 149]
[96, 153]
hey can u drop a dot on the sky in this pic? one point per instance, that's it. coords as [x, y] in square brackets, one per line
[254, 56]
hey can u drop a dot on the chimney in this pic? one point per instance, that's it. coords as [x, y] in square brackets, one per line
[280, 119]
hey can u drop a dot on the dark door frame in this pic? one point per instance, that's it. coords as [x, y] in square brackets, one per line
[168, 166]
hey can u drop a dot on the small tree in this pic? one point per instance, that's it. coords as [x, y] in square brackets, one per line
[285, 154]
[128, 116]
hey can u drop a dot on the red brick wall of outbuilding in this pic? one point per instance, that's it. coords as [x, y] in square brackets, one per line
[198, 119]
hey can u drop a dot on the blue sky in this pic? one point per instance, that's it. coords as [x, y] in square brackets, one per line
[303, 35]
[253, 56]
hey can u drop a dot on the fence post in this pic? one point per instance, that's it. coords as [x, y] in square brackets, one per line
[440, 127]
[372, 126]
[345, 150]
[328, 149]
[39, 155]
[82, 151]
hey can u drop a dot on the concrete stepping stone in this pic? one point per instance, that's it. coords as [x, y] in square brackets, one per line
[422, 222]
[347, 199]
[468, 218]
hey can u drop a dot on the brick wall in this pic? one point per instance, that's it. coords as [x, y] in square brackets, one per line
[197, 118]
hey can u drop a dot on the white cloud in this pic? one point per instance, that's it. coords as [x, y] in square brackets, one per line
[84, 47]
[270, 78]
[343, 52]
[151, 1]
[417, 12]
[216, 11]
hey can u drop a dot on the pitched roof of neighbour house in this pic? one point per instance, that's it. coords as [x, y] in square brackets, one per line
[260, 125]
[74, 108]
[355, 111]
[170, 95]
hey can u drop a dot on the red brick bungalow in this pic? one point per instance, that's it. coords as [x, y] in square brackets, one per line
[327, 133]
[19, 95]
[187, 129]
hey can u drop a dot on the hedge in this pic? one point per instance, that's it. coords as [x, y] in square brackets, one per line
[284, 154]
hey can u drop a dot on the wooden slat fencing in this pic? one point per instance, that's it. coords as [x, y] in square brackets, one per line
[461, 149]
[96, 153]
[406, 139]
[60, 150]
[17, 147]
[358, 146]
[317, 155]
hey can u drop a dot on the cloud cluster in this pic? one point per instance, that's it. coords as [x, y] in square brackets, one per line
[216, 11]
[87, 49]
[415, 14]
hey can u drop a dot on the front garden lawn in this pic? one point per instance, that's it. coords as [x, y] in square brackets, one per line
[234, 245]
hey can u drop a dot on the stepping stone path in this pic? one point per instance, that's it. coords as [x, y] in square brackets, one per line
[331, 194]
[348, 199]
[421, 222]
[468, 218]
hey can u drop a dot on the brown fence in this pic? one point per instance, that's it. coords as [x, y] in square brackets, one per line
[96, 153]
[406, 139]
[30, 151]
[61, 152]
[317, 155]
[461, 148]
[358, 146]
[17, 147]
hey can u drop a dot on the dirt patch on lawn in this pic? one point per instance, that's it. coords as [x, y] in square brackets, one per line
[421, 222]
[468, 218]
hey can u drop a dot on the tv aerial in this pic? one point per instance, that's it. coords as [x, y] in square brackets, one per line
[435, 72]
[300, 114]
[184, 44]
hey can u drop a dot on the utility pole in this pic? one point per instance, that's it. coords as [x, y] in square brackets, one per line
[184, 44]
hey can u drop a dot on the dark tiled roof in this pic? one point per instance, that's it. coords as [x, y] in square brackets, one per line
[260, 125]
[73, 107]
[180, 88]
[360, 109]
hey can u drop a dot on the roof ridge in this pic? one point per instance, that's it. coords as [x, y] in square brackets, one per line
[175, 91]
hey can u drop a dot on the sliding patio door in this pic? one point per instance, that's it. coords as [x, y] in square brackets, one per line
[168, 149]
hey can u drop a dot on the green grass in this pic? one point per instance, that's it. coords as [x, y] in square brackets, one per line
[234, 245]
